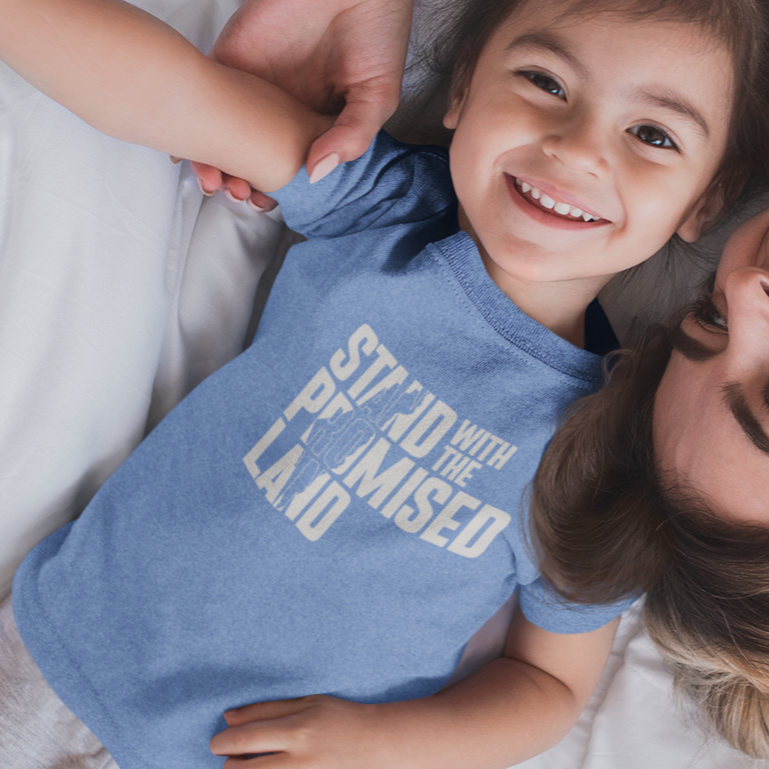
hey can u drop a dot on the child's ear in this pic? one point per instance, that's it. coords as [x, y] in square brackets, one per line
[451, 118]
[703, 215]
[456, 103]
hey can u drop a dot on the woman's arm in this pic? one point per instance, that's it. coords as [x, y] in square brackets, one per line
[511, 709]
[131, 76]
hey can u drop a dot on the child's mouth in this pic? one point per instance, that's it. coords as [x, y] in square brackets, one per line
[544, 202]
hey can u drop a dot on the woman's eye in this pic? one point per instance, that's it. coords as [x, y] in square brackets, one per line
[653, 136]
[706, 314]
[545, 83]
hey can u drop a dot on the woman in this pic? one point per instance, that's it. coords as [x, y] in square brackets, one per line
[674, 452]
[711, 415]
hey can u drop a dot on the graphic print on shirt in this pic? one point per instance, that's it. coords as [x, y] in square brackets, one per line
[347, 446]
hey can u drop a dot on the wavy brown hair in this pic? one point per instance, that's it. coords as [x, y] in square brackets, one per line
[605, 524]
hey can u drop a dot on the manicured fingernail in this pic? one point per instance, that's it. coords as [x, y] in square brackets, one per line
[174, 159]
[324, 167]
[254, 207]
[204, 190]
[228, 194]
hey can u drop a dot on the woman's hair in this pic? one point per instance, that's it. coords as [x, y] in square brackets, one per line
[741, 25]
[605, 524]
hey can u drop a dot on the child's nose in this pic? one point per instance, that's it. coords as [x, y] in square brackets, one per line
[578, 146]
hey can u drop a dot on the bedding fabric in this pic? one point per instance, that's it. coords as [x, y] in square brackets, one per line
[37, 730]
[121, 288]
[634, 720]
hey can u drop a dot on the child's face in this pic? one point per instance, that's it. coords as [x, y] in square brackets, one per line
[711, 413]
[625, 122]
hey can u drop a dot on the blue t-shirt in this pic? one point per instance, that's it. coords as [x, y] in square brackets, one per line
[336, 511]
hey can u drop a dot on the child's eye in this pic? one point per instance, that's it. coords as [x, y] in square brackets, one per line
[706, 314]
[653, 136]
[544, 83]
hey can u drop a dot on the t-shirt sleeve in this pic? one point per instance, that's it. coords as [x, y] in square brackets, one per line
[542, 607]
[389, 181]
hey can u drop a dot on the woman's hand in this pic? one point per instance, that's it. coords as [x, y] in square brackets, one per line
[335, 55]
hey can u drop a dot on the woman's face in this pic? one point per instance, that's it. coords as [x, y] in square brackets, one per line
[711, 414]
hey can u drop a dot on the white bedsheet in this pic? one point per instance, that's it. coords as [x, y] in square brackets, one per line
[634, 721]
[120, 289]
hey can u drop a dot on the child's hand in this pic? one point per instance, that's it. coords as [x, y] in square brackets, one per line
[334, 55]
[318, 731]
[505, 712]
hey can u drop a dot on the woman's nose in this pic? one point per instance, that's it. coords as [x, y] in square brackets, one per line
[747, 309]
[576, 143]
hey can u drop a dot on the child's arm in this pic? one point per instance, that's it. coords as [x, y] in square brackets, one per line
[509, 710]
[335, 54]
[133, 77]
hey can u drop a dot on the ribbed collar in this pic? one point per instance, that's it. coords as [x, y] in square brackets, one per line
[502, 314]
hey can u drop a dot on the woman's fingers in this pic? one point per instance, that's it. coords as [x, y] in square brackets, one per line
[237, 190]
[352, 132]
[209, 178]
[261, 202]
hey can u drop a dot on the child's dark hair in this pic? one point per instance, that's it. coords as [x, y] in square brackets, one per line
[741, 25]
[605, 524]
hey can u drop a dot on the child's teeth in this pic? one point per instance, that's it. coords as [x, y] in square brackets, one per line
[547, 201]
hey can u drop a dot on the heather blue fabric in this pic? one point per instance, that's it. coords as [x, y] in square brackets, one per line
[337, 510]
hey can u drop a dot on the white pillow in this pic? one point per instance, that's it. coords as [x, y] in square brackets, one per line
[120, 289]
